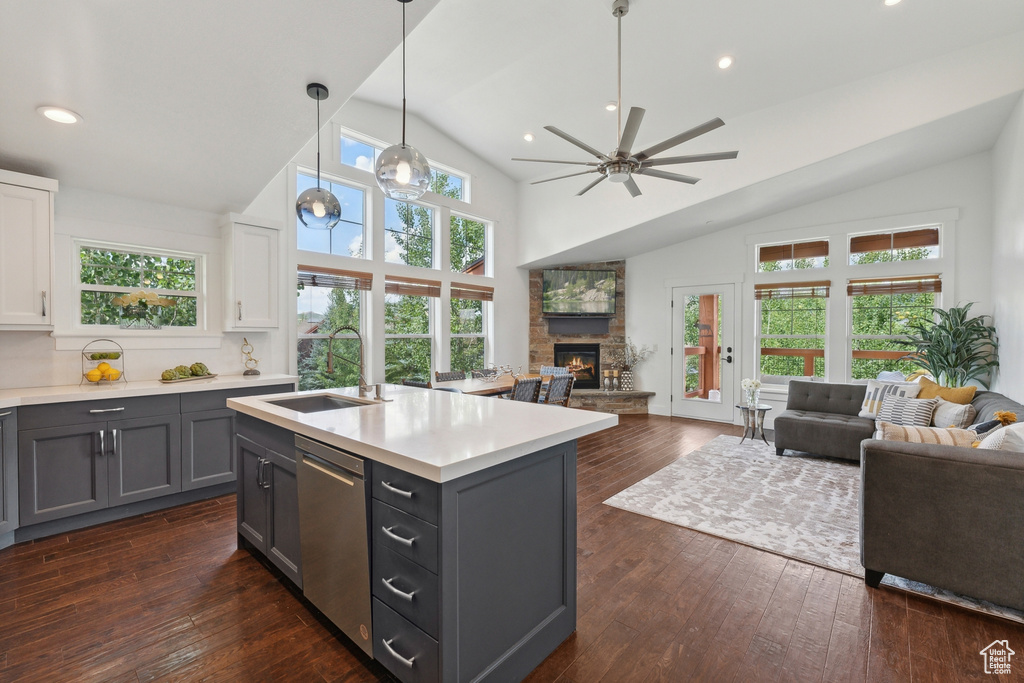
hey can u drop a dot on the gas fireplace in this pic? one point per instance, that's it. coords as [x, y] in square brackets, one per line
[583, 361]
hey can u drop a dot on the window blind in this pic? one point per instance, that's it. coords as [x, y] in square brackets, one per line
[796, 250]
[915, 284]
[409, 286]
[481, 292]
[792, 290]
[338, 279]
[884, 241]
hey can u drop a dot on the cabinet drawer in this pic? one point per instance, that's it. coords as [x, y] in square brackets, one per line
[407, 492]
[406, 535]
[406, 577]
[406, 651]
[196, 401]
[90, 412]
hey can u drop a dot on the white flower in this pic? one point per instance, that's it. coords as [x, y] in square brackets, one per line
[749, 384]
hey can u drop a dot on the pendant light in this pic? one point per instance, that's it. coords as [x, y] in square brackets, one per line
[402, 172]
[318, 208]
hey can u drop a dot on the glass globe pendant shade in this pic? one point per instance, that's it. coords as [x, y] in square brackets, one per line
[402, 173]
[318, 209]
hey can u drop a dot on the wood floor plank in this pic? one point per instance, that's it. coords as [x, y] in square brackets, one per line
[168, 596]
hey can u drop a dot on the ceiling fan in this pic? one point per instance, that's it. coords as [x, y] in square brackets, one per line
[621, 164]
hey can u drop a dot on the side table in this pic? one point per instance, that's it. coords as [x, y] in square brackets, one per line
[753, 421]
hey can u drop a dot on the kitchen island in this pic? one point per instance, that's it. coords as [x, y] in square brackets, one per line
[470, 518]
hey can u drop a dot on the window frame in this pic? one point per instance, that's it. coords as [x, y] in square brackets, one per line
[347, 336]
[486, 302]
[435, 241]
[367, 219]
[892, 233]
[78, 287]
[488, 264]
[758, 322]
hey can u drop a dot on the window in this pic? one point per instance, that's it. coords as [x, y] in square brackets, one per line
[443, 180]
[791, 332]
[328, 300]
[107, 272]
[447, 183]
[468, 245]
[795, 256]
[346, 238]
[358, 154]
[468, 337]
[407, 328]
[900, 245]
[881, 312]
[408, 234]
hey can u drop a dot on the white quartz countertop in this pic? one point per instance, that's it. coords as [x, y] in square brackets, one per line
[437, 435]
[89, 392]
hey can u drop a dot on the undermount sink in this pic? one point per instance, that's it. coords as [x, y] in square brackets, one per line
[316, 403]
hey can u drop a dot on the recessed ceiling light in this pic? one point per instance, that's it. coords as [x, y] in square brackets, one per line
[59, 114]
[611, 106]
[890, 3]
[528, 137]
[725, 62]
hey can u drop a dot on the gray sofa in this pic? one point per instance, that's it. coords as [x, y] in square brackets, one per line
[949, 517]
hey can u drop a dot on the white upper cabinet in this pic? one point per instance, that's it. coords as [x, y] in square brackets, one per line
[26, 251]
[252, 250]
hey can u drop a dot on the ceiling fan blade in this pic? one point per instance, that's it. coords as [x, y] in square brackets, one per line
[655, 173]
[636, 115]
[633, 188]
[553, 161]
[717, 156]
[582, 145]
[548, 180]
[680, 139]
[587, 188]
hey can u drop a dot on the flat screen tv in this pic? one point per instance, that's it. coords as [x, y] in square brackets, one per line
[579, 293]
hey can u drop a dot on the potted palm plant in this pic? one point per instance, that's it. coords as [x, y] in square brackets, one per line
[955, 348]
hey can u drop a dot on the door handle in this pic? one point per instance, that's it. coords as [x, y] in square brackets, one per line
[264, 484]
[44, 303]
[728, 359]
[239, 309]
[113, 442]
[259, 472]
[103, 442]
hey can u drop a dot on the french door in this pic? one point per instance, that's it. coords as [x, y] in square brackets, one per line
[703, 352]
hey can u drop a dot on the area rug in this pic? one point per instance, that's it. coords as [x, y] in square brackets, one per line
[799, 506]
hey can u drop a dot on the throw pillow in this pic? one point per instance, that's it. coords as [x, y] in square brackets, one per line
[983, 427]
[961, 395]
[1009, 438]
[949, 414]
[891, 376]
[908, 411]
[935, 435]
[876, 391]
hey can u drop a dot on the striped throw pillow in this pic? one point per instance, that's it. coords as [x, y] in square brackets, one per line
[915, 412]
[876, 391]
[935, 435]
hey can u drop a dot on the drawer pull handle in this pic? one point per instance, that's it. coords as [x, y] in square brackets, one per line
[389, 487]
[401, 594]
[391, 534]
[408, 662]
[96, 411]
[6, 414]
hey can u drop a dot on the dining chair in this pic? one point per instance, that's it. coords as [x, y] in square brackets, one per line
[416, 383]
[449, 376]
[559, 390]
[553, 370]
[525, 389]
[452, 390]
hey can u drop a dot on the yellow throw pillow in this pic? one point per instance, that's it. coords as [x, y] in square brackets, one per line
[961, 395]
[936, 435]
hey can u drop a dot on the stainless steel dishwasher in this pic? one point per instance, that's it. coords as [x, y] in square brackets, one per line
[333, 532]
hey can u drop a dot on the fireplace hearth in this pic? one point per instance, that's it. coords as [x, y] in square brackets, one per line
[583, 361]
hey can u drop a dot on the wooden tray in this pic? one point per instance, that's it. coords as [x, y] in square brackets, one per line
[187, 379]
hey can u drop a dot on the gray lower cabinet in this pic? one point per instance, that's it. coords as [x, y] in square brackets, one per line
[207, 451]
[268, 495]
[8, 470]
[145, 458]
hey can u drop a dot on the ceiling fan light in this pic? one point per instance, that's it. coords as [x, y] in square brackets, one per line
[402, 173]
[618, 172]
[318, 209]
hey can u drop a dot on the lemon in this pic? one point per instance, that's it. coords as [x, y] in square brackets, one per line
[94, 375]
[103, 367]
[112, 374]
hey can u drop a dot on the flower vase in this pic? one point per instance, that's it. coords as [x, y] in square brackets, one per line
[626, 380]
[753, 397]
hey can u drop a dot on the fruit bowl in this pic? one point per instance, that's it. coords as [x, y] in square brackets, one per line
[102, 362]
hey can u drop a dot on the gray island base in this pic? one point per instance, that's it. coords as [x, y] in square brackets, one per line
[471, 578]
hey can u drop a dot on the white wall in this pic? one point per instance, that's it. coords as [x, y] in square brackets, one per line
[1008, 254]
[964, 185]
[493, 197]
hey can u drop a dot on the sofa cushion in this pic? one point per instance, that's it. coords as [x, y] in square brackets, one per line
[949, 414]
[822, 433]
[824, 397]
[907, 411]
[930, 389]
[876, 391]
[936, 435]
[987, 403]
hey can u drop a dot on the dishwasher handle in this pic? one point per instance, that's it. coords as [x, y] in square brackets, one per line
[326, 468]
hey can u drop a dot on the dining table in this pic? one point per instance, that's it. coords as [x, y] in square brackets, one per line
[484, 387]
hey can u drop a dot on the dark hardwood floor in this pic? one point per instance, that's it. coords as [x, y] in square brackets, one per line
[167, 596]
